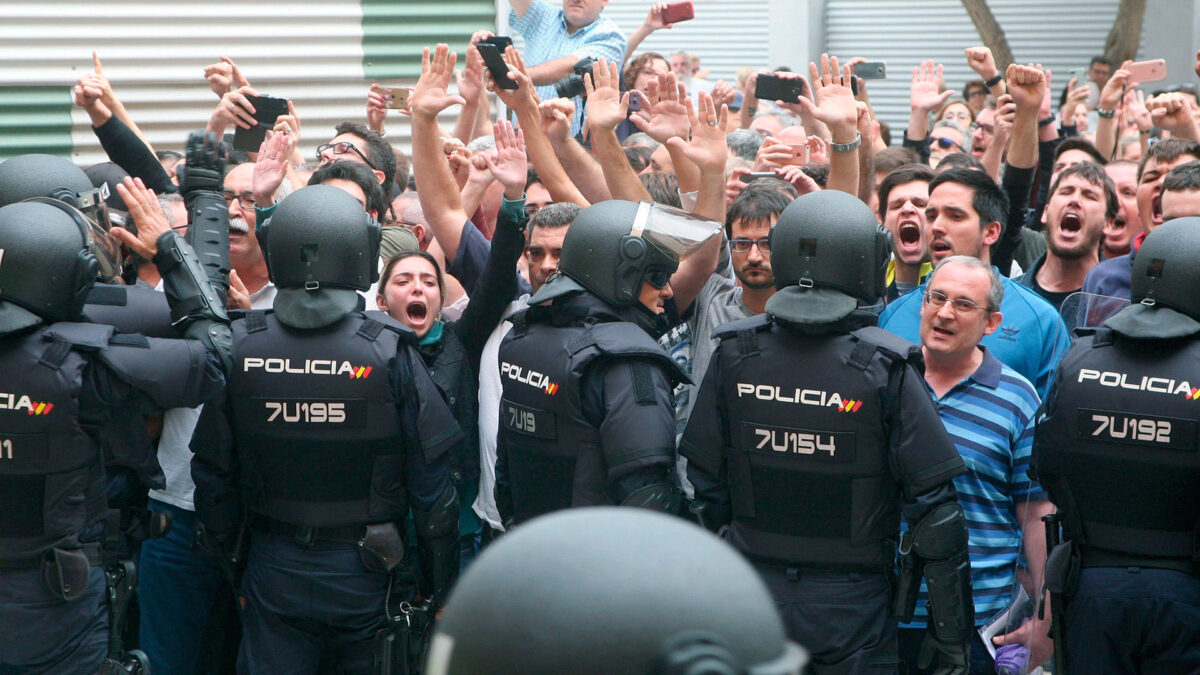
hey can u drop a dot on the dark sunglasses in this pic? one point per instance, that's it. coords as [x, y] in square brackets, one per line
[943, 143]
[658, 278]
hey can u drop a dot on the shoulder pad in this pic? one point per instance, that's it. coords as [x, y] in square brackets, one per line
[407, 336]
[130, 309]
[169, 371]
[1102, 336]
[894, 346]
[83, 336]
[621, 338]
[758, 322]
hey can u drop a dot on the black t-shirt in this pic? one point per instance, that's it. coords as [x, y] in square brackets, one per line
[1052, 297]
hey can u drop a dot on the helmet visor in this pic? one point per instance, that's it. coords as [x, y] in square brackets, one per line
[673, 230]
[107, 250]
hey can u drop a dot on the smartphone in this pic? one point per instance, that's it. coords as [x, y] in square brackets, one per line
[266, 110]
[871, 70]
[495, 64]
[635, 101]
[1147, 71]
[396, 97]
[775, 88]
[799, 154]
[755, 175]
[678, 11]
[1080, 75]
[502, 42]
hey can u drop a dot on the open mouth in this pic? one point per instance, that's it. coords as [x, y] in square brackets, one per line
[941, 331]
[1156, 209]
[940, 246]
[1070, 222]
[238, 226]
[909, 233]
[416, 311]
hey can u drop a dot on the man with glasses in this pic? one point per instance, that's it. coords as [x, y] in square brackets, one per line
[354, 142]
[988, 411]
[975, 93]
[946, 138]
[963, 217]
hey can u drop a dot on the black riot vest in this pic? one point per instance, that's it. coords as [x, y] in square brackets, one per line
[808, 464]
[129, 309]
[50, 468]
[1119, 449]
[553, 452]
[316, 421]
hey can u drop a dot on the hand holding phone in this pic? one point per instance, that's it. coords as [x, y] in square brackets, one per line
[678, 11]
[770, 87]
[492, 51]
[396, 98]
[266, 110]
[1147, 71]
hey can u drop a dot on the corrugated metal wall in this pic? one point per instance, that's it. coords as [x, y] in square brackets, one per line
[1061, 36]
[726, 34]
[313, 51]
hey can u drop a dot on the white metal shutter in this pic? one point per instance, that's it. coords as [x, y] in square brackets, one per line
[1061, 36]
[154, 51]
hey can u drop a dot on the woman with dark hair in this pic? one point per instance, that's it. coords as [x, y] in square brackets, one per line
[412, 290]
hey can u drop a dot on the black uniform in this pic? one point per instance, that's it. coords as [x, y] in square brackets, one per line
[63, 382]
[586, 416]
[327, 437]
[810, 444]
[1119, 453]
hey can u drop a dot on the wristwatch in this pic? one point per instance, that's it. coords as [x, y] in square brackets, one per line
[847, 147]
[994, 81]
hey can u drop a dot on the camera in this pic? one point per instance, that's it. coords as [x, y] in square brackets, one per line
[572, 85]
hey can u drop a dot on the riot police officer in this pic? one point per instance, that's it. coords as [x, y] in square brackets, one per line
[811, 435]
[331, 430]
[1119, 453]
[649, 594]
[586, 413]
[63, 382]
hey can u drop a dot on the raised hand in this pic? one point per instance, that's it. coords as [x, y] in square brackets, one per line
[923, 94]
[666, 116]
[795, 175]
[707, 148]
[1110, 95]
[1027, 85]
[554, 116]
[524, 98]
[510, 166]
[605, 106]
[1135, 104]
[723, 94]
[430, 96]
[1172, 113]
[654, 20]
[470, 78]
[772, 154]
[234, 109]
[224, 76]
[981, 61]
[88, 93]
[271, 166]
[835, 105]
[1006, 112]
[147, 216]
[1077, 95]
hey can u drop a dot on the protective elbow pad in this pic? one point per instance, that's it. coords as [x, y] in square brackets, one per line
[208, 235]
[940, 541]
[189, 291]
[656, 497]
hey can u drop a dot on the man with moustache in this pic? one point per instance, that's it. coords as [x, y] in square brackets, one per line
[1082, 203]
[1112, 277]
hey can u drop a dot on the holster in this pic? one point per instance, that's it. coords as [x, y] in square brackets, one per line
[381, 548]
[392, 647]
[908, 583]
[1062, 569]
[66, 573]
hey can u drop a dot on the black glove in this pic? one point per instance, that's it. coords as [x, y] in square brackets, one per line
[205, 165]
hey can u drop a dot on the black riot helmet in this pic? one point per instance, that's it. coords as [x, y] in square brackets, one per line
[829, 256]
[322, 248]
[612, 246]
[46, 265]
[28, 176]
[611, 590]
[1165, 286]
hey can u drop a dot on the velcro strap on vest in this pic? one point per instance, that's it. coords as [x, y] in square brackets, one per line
[370, 330]
[55, 354]
[255, 321]
[1103, 337]
[747, 342]
[130, 340]
[518, 322]
[107, 294]
[581, 342]
[860, 358]
[643, 382]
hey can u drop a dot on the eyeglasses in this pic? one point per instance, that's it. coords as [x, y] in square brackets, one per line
[943, 143]
[341, 149]
[658, 278]
[977, 92]
[245, 200]
[963, 307]
[742, 244]
[986, 128]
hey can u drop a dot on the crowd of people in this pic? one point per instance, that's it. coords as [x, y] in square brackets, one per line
[933, 386]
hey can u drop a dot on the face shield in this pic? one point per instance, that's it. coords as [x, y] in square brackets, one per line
[108, 251]
[673, 230]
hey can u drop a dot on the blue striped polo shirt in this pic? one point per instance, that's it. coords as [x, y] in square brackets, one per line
[990, 416]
